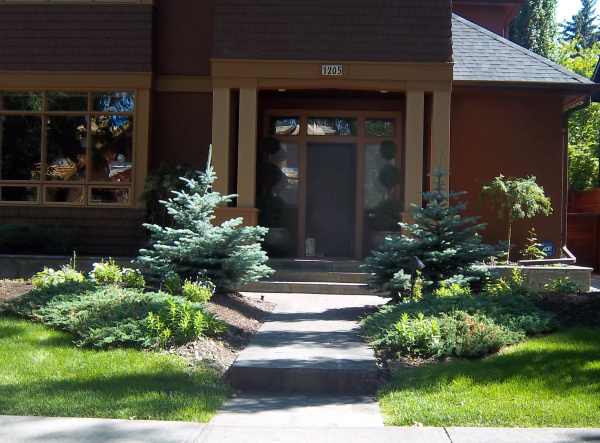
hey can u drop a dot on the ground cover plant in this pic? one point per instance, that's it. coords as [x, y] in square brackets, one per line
[453, 322]
[43, 374]
[110, 308]
[550, 381]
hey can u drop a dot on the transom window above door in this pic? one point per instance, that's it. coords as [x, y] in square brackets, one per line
[294, 126]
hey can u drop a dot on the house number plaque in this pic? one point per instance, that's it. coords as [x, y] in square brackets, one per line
[332, 70]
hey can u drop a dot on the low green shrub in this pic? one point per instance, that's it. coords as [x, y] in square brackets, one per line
[417, 336]
[107, 273]
[111, 316]
[172, 283]
[455, 334]
[459, 325]
[563, 286]
[133, 278]
[448, 289]
[50, 278]
[476, 335]
[197, 292]
[513, 285]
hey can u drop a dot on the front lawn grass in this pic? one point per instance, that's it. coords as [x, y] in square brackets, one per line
[551, 381]
[43, 374]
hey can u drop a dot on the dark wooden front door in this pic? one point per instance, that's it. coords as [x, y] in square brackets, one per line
[331, 198]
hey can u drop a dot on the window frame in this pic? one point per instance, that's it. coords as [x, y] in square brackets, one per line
[86, 184]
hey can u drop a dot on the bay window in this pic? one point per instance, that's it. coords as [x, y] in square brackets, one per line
[67, 148]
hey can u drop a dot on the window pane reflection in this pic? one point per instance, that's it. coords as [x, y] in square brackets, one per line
[67, 140]
[332, 126]
[375, 191]
[67, 195]
[20, 101]
[67, 101]
[20, 147]
[379, 127]
[285, 126]
[114, 102]
[278, 172]
[19, 194]
[112, 148]
[109, 196]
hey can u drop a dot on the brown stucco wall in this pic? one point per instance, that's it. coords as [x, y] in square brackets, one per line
[59, 37]
[183, 36]
[181, 128]
[516, 134]
[378, 30]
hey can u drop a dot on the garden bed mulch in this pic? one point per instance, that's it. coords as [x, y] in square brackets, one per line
[13, 288]
[244, 315]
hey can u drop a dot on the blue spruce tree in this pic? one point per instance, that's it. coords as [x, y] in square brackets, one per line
[440, 244]
[229, 255]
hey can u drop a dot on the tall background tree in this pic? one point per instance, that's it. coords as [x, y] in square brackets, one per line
[583, 26]
[584, 124]
[535, 26]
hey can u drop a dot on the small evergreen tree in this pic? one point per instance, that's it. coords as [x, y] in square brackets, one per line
[516, 199]
[229, 255]
[582, 26]
[533, 248]
[439, 245]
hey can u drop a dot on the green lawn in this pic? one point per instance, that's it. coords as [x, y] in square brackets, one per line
[550, 381]
[42, 373]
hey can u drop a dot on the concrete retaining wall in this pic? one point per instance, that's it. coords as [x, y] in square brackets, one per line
[537, 276]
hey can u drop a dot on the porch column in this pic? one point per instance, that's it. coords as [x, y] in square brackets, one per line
[221, 126]
[415, 120]
[246, 176]
[440, 136]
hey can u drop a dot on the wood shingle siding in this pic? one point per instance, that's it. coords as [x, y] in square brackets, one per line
[353, 30]
[76, 37]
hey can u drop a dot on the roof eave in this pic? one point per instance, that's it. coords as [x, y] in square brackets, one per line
[589, 88]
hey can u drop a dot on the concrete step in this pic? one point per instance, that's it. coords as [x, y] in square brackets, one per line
[307, 287]
[305, 380]
[315, 276]
[316, 265]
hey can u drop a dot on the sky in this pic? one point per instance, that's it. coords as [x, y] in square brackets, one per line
[566, 9]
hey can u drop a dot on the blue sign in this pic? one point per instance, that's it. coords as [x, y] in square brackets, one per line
[549, 248]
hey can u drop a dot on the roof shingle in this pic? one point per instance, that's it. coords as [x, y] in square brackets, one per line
[482, 56]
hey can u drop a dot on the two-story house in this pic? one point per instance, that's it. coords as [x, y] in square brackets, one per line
[325, 116]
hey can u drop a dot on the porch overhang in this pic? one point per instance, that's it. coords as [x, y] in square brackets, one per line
[249, 76]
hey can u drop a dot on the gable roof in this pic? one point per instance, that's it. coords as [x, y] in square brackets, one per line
[484, 57]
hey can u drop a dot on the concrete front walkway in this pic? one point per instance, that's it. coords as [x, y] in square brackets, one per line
[309, 345]
[82, 430]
